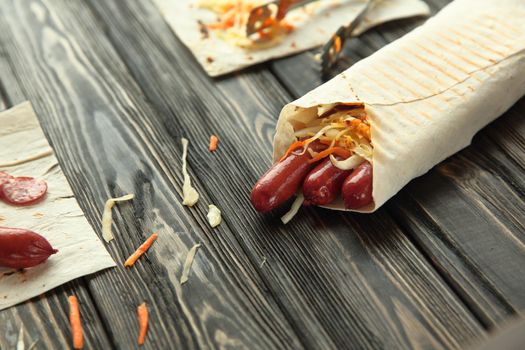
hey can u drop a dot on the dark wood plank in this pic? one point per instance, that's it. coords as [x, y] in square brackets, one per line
[467, 214]
[97, 120]
[344, 281]
[6, 87]
[46, 320]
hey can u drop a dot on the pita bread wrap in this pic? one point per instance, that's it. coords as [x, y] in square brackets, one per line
[427, 93]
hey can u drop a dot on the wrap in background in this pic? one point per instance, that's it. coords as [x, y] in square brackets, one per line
[314, 25]
[429, 92]
[58, 217]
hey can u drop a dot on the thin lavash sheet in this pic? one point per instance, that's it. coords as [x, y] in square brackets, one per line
[58, 217]
[314, 26]
[429, 92]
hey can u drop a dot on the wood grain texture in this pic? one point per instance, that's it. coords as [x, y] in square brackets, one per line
[90, 109]
[115, 91]
[467, 213]
[342, 281]
[45, 319]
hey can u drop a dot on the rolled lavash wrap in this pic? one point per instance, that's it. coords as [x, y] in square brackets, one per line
[426, 94]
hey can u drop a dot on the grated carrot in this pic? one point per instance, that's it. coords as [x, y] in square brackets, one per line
[337, 44]
[294, 146]
[214, 140]
[141, 250]
[143, 316]
[342, 152]
[360, 127]
[227, 20]
[287, 26]
[76, 325]
[217, 25]
[325, 141]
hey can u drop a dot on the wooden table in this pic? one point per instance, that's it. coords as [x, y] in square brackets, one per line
[439, 266]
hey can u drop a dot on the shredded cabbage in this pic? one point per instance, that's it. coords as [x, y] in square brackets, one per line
[190, 194]
[233, 18]
[107, 216]
[347, 164]
[307, 131]
[348, 129]
[187, 264]
[20, 345]
[364, 150]
[296, 205]
[214, 215]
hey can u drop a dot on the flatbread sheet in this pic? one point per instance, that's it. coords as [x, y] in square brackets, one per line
[58, 217]
[314, 25]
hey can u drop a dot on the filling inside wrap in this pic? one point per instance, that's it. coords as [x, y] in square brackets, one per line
[330, 160]
[233, 17]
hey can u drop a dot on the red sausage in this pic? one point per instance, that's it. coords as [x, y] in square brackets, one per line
[5, 178]
[357, 187]
[21, 248]
[23, 190]
[283, 179]
[323, 184]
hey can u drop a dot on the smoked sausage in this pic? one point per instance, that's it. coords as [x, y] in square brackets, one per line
[283, 179]
[323, 184]
[21, 248]
[357, 187]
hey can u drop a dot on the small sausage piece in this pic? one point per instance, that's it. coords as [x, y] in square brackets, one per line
[357, 187]
[21, 248]
[323, 184]
[23, 190]
[5, 178]
[283, 179]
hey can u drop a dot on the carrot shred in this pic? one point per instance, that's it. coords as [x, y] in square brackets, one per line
[76, 325]
[227, 19]
[360, 128]
[325, 141]
[141, 250]
[214, 140]
[217, 25]
[287, 26]
[342, 152]
[337, 44]
[294, 146]
[143, 316]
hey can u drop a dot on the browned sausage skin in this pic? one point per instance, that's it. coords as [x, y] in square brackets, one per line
[283, 179]
[357, 187]
[20, 248]
[323, 184]
[344, 131]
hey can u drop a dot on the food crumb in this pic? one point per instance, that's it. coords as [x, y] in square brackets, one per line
[188, 263]
[38, 215]
[209, 59]
[205, 34]
[214, 215]
[214, 140]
